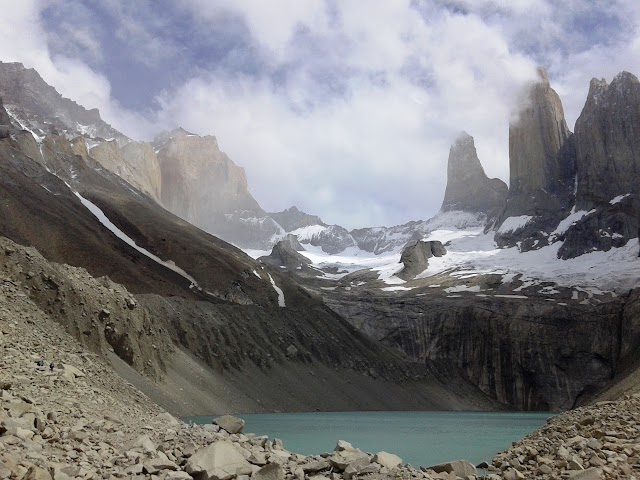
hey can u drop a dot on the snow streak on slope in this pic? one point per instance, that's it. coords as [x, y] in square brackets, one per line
[102, 218]
[278, 291]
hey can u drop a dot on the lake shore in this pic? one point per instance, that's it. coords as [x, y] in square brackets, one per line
[81, 420]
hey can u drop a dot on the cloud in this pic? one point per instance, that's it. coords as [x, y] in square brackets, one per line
[372, 150]
[345, 111]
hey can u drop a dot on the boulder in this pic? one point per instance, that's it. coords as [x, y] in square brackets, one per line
[415, 257]
[460, 468]
[218, 461]
[273, 471]
[388, 460]
[230, 423]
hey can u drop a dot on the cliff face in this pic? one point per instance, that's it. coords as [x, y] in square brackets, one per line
[608, 167]
[199, 182]
[144, 161]
[529, 354]
[542, 170]
[608, 141]
[535, 142]
[468, 187]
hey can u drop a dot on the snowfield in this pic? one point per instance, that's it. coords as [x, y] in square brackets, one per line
[470, 253]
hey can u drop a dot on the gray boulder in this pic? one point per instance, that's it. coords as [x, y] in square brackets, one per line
[230, 423]
[461, 468]
[218, 461]
[272, 471]
[415, 257]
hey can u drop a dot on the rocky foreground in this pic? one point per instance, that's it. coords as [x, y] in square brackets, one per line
[80, 420]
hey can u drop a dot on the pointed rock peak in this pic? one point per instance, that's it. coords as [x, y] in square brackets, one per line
[543, 76]
[624, 77]
[468, 187]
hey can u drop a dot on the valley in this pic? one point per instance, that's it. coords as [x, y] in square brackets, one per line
[164, 270]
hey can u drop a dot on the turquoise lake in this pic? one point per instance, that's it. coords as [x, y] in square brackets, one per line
[419, 438]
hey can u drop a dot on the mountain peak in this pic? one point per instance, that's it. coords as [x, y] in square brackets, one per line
[468, 187]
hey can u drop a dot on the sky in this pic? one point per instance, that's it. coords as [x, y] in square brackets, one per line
[344, 108]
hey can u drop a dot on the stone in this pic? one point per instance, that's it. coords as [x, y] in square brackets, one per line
[513, 474]
[388, 460]
[142, 443]
[316, 466]
[219, 461]
[230, 423]
[356, 467]
[272, 471]
[461, 468]
[588, 474]
[415, 257]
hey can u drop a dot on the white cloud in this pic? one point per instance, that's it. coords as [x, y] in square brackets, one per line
[352, 111]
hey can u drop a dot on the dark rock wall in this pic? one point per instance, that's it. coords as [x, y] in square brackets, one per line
[527, 354]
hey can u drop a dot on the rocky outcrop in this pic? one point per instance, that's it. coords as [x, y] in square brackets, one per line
[39, 107]
[542, 168]
[102, 315]
[468, 187]
[5, 119]
[416, 255]
[285, 254]
[332, 239]
[608, 167]
[292, 219]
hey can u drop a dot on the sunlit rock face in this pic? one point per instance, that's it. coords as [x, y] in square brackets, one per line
[468, 187]
[132, 166]
[200, 183]
[542, 169]
[143, 160]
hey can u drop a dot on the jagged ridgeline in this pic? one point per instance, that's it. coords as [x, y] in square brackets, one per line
[577, 188]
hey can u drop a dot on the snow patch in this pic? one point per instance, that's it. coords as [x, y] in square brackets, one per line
[396, 288]
[278, 291]
[618, 199]
[573, 218]
[462, 288]
[512, 224]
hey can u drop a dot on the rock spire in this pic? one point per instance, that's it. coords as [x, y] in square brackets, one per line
[468, 187]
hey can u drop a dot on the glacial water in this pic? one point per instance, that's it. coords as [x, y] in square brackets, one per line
[419, 438]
